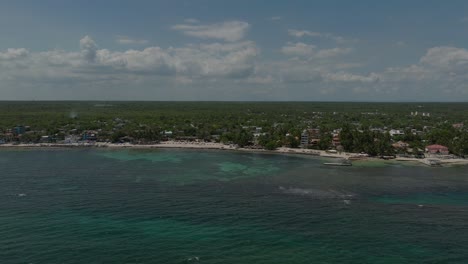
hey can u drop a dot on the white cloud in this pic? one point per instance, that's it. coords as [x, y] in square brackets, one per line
[261, 79]
[349, 77]
[231, 69]
[13, 54]
[439, 68]
[446, 57]
[312, 52]
[228, 31]
[88, 48]
[334, 52]
[216, 60]
[441, 74]
[303, 33]
[298, 49]
[130, 41]
[306, 33]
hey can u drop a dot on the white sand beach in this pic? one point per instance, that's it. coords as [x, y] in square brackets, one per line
[220, 146]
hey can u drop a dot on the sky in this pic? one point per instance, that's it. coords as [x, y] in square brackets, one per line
[213, 50]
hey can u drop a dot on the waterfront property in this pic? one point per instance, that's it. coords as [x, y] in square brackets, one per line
[437, 149]
[304, 139]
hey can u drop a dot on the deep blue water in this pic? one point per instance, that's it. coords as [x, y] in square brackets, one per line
[181, 206]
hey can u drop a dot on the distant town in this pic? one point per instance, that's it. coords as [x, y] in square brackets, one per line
[346, 127]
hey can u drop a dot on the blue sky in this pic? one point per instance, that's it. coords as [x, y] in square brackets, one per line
[234, 50]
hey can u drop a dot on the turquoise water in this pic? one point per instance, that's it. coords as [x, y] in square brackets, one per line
[182, 206]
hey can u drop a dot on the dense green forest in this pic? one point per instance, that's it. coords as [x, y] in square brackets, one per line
[361, 127]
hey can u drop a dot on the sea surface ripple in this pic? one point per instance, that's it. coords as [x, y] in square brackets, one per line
[187, 206]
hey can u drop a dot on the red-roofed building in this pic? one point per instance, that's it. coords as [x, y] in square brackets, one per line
[437, 149]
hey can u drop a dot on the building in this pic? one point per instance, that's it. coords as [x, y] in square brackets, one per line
[314, 132]
[314, 142]
[46, 139]
[437, 149]
[400, 145]
[336, 140]
[304, 139]
[458, 126]
[90, 135]
[396, 132]
[19, 130]
[70, 139]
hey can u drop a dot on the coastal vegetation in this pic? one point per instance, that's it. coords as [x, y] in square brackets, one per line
[372, 128]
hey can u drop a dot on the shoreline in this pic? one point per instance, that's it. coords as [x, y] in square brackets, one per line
[220, 146]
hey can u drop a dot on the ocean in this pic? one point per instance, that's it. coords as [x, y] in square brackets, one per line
[188, 206]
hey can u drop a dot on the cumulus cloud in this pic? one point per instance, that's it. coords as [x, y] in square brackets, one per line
[306, 33]
[446, 57]
[439, 67]
[130, 41]
[349, 77]
[228, 31]
[88, 48]
[298, 49]
[313, 72]
[306, 50]
[440, 74]
[216, 60]
[303, 33]
[328, 53]
[11, 54]
[233, 69]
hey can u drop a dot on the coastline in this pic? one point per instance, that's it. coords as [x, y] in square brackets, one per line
[220, 146]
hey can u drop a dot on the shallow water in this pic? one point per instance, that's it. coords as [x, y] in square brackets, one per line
[187, 206]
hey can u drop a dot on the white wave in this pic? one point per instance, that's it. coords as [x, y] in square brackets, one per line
[317, 193]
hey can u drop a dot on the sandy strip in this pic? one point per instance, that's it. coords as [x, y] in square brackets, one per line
[220, 146]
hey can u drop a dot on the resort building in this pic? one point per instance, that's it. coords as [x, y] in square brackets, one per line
[437, 149]
[304, 139]
[396, 132]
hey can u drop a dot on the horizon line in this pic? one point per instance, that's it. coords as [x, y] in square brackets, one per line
[231, 101]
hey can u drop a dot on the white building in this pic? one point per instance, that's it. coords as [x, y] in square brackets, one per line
[396, 132]
[304, 139]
